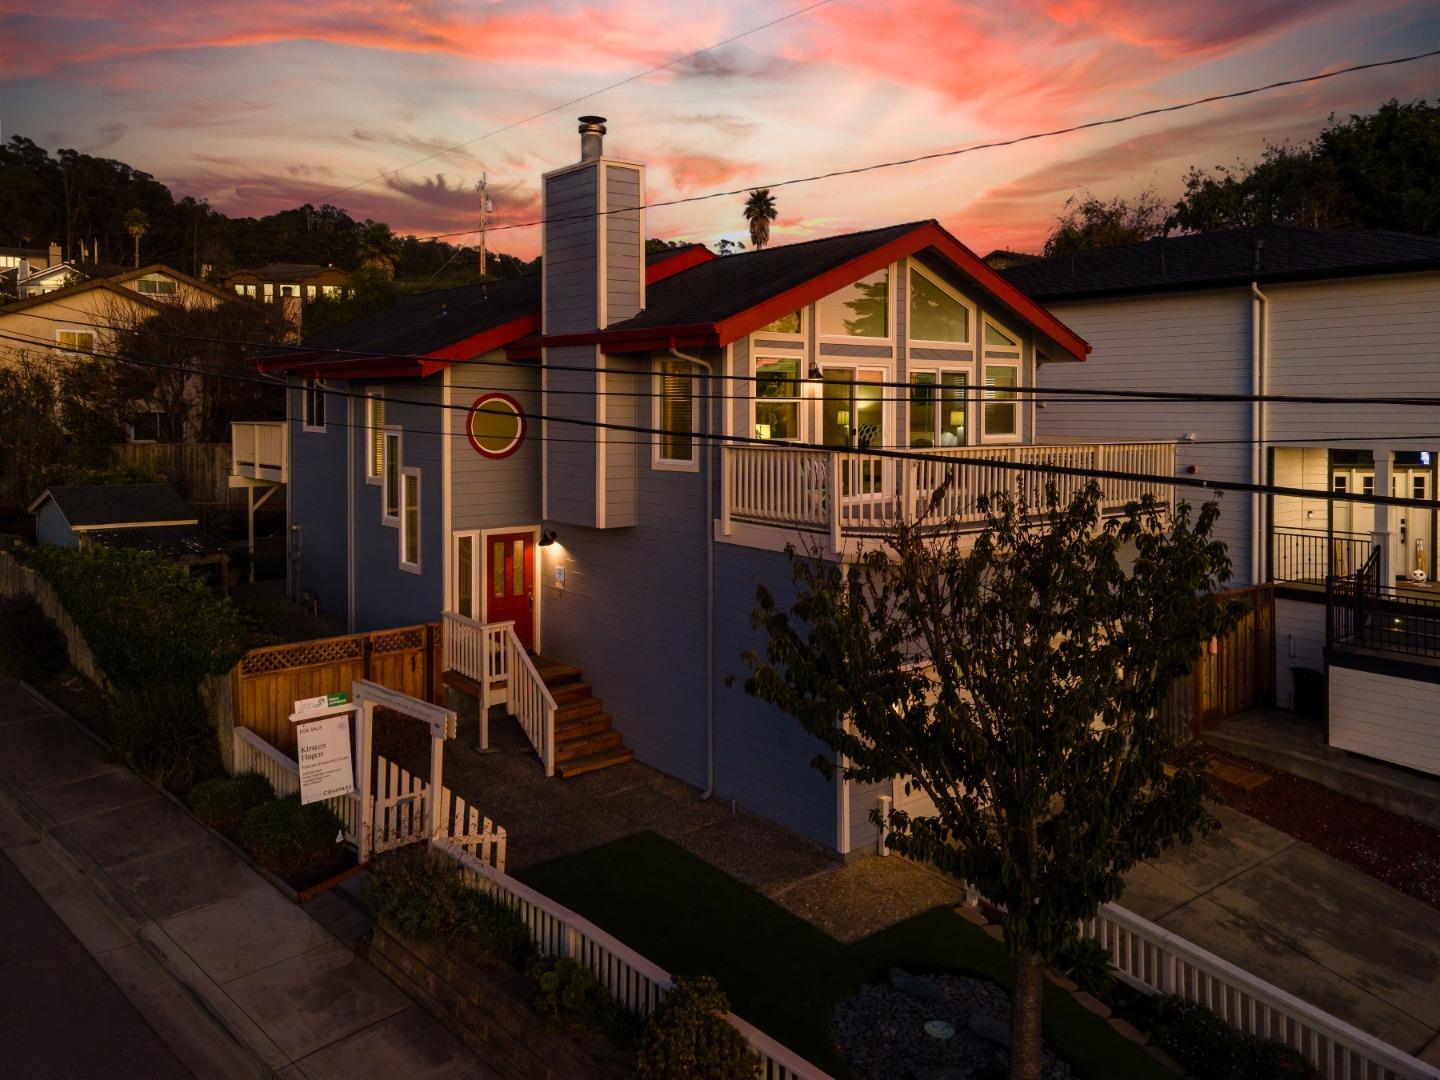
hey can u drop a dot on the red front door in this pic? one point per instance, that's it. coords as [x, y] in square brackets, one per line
[510, 583]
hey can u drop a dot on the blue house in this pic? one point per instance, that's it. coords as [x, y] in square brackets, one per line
[590, 471]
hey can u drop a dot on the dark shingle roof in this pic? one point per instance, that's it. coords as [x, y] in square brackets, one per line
[427, 321]
[717, 289]
[118, 504]
[172, 541]
[288, 271]
[1208, 260]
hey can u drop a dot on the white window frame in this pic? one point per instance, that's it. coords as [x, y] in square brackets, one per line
[406, 472]
[802, 420]
[889, 407]
[374, 431]
[847, 339]
[88, 330]
[311, 391]
[386, 518]
[782, 335]
[1018, 347]
[157, 280]
[940, 370]
[933, 278]
[986, 397]
[267, 292]
[657, 440]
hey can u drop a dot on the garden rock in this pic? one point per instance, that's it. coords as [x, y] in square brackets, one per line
[881, 1030]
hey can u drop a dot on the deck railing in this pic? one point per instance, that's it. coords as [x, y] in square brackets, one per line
[491, 655]
[1153, 959]
[635, 982]
[846, 492]
[1312, 555]
[260, 450]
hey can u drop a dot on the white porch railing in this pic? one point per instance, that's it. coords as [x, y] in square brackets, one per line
[637, 983]
[1152, 959]
[260, 450]
[491, 655]
[843, 492]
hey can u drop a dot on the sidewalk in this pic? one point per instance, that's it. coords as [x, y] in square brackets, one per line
[236, 979]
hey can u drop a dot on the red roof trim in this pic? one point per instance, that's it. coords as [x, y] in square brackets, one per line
[494, 338]
[682, 260]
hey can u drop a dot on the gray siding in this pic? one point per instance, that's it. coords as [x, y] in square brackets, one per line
[1189, 342]
[1385, 717]
[961, 356]
[1299, 642]
[624, 246]
[571, 252]
[385, 595]
[570, 448]
[318, 506]
[624, 452]
[834, 348]
[52, 528]
[487, 493]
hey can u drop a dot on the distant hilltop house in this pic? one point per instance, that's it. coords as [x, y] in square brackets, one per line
[26, 272]
[305, 280]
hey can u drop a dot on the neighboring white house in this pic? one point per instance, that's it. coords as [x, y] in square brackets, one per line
[1288, 312]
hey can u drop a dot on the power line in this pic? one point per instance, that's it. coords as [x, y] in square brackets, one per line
[947, 460]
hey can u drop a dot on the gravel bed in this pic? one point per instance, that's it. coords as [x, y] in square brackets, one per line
[881, 1030]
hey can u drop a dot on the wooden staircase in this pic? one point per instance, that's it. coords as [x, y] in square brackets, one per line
[585, 736]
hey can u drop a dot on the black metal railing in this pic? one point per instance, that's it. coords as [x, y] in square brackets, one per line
[1312, 556]
[1361, 611]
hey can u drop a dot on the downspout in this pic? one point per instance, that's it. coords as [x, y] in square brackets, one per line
[1259, 312]
[709, 573]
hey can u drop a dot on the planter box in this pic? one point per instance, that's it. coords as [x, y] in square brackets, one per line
[486, 1004]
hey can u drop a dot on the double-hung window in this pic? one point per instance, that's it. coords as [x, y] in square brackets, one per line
[1000, 414]
[313, 405]
[374, 436]
[777, 398]
[390, 493]
[937, 408]
[410, 520]
[675, 417]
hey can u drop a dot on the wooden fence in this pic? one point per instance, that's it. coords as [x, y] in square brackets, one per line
[199, 471]
[17, 579]
[1234, 673]
[268, 682]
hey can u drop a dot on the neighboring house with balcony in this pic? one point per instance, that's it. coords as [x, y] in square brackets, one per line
[591, 470]
[307, 281]
[1284, 311]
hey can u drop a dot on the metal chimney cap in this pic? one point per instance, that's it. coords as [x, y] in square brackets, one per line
[594, 124]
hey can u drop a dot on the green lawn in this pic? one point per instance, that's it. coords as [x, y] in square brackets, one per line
[781, 973]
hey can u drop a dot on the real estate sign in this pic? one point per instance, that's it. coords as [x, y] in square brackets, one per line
[323, 749]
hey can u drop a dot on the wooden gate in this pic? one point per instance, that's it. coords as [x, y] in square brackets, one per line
[268, 682]
[1237, 671]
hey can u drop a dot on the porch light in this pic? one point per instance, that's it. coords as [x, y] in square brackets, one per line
[547, 537]
[814, 373]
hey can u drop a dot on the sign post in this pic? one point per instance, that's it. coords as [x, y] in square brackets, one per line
[322, 740]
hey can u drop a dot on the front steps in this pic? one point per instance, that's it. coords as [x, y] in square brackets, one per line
[585, 736]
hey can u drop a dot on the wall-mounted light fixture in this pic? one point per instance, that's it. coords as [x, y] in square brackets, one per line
[547, 537]
[814, 373]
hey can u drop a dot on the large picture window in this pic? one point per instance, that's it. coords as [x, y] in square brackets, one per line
[936, 313]
[777, 398]
[858, 310]
[675, 416]
[937, 409]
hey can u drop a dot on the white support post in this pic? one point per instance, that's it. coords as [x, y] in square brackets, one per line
[437, 784]
[833, 474]
[1380, 534]
[726, 464]
[250, 528]
[884, 824]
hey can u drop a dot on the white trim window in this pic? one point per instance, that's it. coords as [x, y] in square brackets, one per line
[860, 311]
[312, 402]
[390, 488]
[938, 408]
[676, 418]
[157, 285]
[1001, 410]
[374, 435]
[410, 520]
[939, 315]
[786, 326]
[775, 410]
[81, 341]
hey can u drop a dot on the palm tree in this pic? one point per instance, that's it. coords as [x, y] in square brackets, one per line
[378, 247]
[759, 212]
[137, 224]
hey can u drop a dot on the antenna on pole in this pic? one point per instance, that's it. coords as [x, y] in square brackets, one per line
[486, 206]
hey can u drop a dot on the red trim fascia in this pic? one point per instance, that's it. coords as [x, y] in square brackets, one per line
[522, 351]
[284, 362]
[620, 337]
[660, 343]
[682, 260]
[494, 338]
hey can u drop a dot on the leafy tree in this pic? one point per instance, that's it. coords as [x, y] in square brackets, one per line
[1014, 683]
[1091, 222]
[654, 244]
[137, 224]
[760, 212]
[378, 247]
[727, 246]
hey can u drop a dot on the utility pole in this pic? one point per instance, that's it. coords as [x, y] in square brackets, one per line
[485, 207]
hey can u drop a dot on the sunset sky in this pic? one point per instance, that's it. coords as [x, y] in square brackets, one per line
[260, 105]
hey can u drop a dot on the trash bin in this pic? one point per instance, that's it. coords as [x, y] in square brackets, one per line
[1309, 700]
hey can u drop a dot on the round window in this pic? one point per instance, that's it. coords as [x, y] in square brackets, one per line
[496, 425]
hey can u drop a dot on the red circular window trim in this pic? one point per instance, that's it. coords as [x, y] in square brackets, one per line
[495, 455]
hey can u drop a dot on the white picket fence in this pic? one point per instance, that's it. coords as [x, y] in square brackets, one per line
[1153, 960]
[400, 801]
[637, 983]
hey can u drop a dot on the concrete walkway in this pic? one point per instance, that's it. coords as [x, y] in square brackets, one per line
[233, 977]
[1311, 925]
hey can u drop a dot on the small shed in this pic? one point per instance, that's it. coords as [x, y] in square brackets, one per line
[149, 517]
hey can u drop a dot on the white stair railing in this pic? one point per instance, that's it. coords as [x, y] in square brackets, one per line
[527, 698]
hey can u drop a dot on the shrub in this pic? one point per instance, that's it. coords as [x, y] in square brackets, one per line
[425, 896]
[31, 648]
[223, 802]
[162, 730]
[690, 1037]
[1086, 962]
[1211, 1049]
[145, 619]
[569, 993]
[294, 842]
